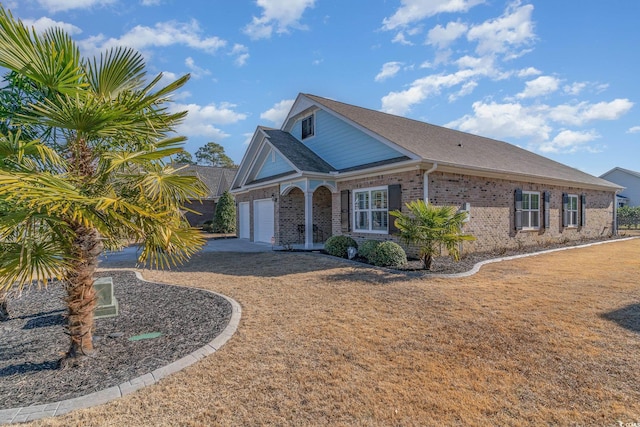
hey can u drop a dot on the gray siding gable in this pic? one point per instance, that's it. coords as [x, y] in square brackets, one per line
[628, 179]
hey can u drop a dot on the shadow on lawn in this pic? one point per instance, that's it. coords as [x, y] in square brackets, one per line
[628, 317]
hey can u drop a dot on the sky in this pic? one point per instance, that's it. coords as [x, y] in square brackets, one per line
[559, 78]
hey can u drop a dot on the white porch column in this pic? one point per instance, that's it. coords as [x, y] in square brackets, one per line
[308, 218]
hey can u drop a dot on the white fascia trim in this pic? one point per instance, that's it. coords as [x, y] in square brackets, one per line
[265, 184]
[406, 166]
[243, 171]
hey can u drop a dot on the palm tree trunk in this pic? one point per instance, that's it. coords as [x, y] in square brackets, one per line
[428, 258]
[81, 296]
[4, 311]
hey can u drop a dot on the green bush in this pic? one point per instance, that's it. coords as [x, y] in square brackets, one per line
[388, 254]
[207, 226]
[367, 248]
[224, 219]
[337, 245]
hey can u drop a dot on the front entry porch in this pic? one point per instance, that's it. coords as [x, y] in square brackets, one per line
[305, 213]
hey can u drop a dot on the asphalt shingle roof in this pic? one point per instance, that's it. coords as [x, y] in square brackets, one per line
[451, 147]
[299, 154]
[217, 179]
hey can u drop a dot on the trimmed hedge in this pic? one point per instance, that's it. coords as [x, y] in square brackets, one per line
[367, 248]
[337, 245]
[388, 254]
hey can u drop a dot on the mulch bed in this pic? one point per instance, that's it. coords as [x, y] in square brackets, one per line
[33, 341]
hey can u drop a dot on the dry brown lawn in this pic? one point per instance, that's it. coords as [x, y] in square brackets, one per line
[551, 339]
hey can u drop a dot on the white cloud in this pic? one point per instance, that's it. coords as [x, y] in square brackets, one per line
[569, 141]
[151, 2]
[200, 119]
[241, 52]
[45, 23]
[161, 34]
[541, 86]
[278, 112]
[466, 89]
[575, 88]
[584, 112]
[400, 38]
[508, 120]
[512, 30]
[416, 10]
[528, 72]
[442, 37]
[634, 129]
[196, 71]
[471, 68]
[279, 15]
[389, 69]
[62, 5]
[536, 123]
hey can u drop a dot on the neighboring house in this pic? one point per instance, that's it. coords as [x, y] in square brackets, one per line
[628, 179]
[335, 168]
[218, 180]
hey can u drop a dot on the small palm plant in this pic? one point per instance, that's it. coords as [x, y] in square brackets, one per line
[429, 227]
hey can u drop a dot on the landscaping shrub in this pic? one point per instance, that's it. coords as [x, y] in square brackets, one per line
[207, 226]
[224, 219]
[337, 245]
[388, 254]
[367, 248]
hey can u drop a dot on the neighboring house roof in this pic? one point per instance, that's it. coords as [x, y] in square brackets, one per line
[217, 179]
[451, 147]
[627, 171]
[296, 152]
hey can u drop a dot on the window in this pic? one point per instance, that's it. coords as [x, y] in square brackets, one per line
[572, 210]
[530, 210]
[307, 127]
[371, 210]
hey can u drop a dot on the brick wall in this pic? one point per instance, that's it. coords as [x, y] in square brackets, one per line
[206, 209]
[492, 209]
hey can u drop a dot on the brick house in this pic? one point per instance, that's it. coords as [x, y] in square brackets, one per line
[217, 180]
[335, 168]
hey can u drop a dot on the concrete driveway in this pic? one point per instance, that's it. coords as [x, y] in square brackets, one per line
[129, 255]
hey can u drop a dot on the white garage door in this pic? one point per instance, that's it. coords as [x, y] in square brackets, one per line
[244, 220]
[263, 224]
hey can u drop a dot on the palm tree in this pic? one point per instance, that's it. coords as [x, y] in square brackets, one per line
[429, 227]
[100, 178]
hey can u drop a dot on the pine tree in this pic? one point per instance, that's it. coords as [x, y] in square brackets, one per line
[224, 220]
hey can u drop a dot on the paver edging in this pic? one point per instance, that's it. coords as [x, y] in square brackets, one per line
[34, 412]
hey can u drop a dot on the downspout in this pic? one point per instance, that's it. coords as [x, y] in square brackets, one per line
[615, 213]
[426, 182]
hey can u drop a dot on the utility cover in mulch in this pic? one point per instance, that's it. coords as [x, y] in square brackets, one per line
[33, 341]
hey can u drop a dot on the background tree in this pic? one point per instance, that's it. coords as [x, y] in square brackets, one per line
[184, 157]
[104, 178]
[213, 154]
[429, 227]
[224, 219]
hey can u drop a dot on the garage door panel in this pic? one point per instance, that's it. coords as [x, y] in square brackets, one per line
[263, 217]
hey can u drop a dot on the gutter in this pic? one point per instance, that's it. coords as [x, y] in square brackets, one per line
[426, 182]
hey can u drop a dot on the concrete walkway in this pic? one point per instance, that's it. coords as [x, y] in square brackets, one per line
[34, 412]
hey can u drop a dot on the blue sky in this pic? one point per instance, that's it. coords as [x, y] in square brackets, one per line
[559, 78]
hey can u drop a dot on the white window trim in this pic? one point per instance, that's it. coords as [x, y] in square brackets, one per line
[313, 120]
[355, 210]
[569, 211]
[526, 211]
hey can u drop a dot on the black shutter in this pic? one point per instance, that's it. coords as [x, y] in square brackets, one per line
[517, 220]
[395, 204]
[583, 210]
[565, 209]
[345, 208]
[547, 199]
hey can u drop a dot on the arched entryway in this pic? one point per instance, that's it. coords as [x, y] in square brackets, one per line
[305, 212]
